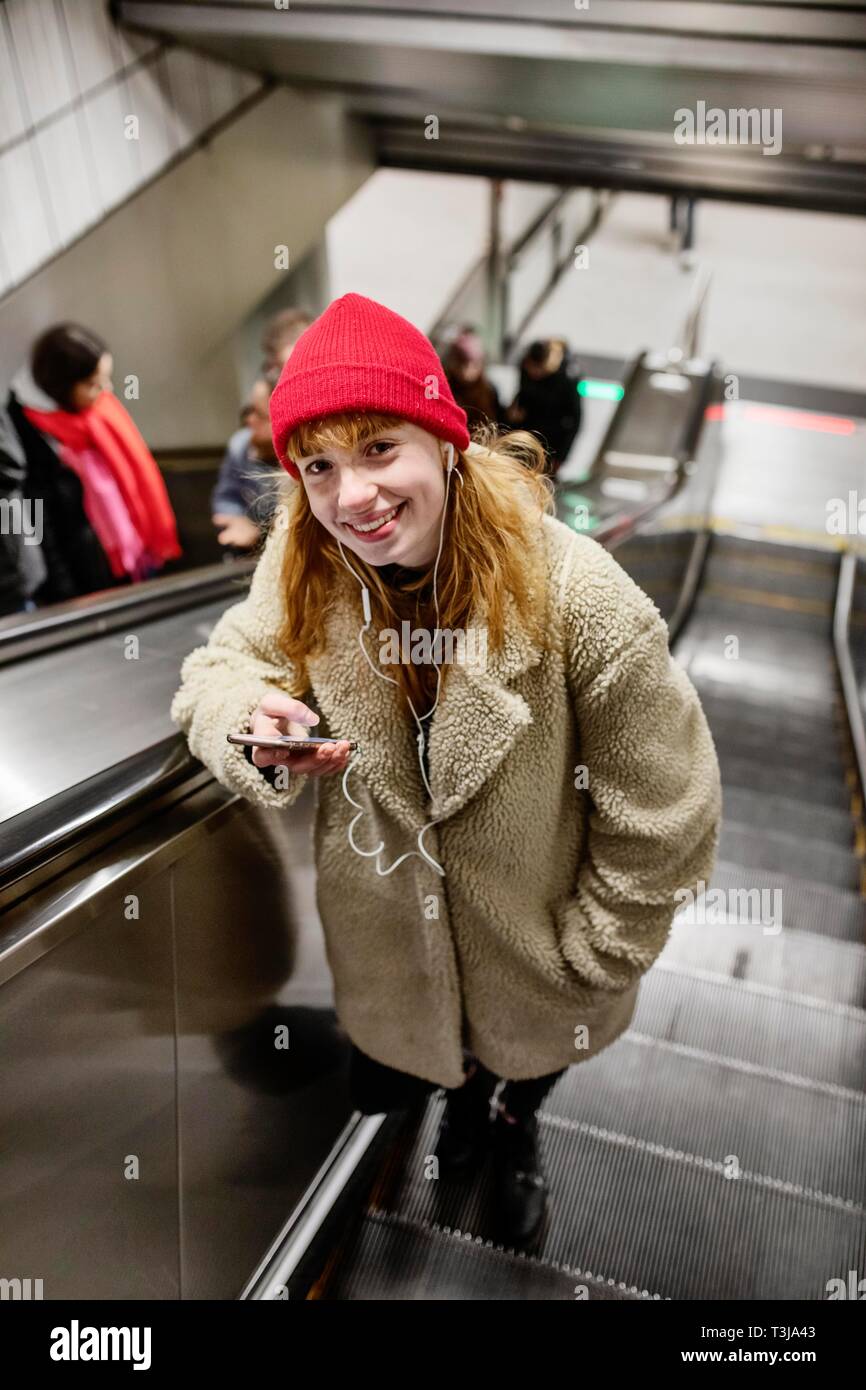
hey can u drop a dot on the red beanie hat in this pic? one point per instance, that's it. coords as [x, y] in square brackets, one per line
[358, 355]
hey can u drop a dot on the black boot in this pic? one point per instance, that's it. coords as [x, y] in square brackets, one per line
[520, 1184]
[466, 1126]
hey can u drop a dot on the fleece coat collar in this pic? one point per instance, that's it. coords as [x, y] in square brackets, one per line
[475, 723]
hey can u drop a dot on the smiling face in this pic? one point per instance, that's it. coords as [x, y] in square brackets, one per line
[382, 498]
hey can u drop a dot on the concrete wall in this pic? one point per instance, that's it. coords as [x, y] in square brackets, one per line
[170, 277]
[89, 113]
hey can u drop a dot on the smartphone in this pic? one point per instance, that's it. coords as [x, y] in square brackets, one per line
[289, 745]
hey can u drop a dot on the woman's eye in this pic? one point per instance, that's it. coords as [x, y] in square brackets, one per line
[314, 466]
[383, 445]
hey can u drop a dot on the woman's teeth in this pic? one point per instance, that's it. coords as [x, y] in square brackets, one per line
[380, 520]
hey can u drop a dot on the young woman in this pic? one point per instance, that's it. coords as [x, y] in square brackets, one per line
[69, 449]
[497, 863]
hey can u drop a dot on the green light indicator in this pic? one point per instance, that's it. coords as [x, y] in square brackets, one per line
[600, 390]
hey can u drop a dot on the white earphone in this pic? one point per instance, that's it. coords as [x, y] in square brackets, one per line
[421, 852]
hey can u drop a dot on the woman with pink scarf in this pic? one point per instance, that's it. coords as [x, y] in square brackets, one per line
[84, 480]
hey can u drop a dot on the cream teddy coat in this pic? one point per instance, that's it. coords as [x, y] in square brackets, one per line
[575, 790]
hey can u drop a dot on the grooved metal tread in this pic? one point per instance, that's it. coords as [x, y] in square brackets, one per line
[710, 1219]
[791, 650]
[745, 741]
[786, 617]
[734, 573]
[771, 851]
[745, 807]
[772, 554]
[748, 1025]
[754, 701]
[397, 1259]
[794, 962]
[771, 719]
[807, 906]
[790, 782]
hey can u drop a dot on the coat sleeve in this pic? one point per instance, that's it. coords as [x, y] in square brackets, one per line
[653, 782]
[223, 682]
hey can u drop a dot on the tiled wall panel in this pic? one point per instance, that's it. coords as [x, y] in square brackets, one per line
[70, 152]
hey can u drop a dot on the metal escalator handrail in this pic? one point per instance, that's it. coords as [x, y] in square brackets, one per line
[619, 527]
[271, 1279]
[842, 649]
[45, 831]
[513, 253]
[451, 311]
[93, 614]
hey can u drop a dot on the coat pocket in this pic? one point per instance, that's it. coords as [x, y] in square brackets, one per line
[584, 958]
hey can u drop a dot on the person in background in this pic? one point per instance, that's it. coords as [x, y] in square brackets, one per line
[245, 495]
[70, 451]
[464, 364]
[547, 403]
[280, 336]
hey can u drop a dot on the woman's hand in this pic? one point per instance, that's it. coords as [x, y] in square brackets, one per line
[279, 714]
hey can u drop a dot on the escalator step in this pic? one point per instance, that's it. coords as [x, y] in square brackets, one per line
[770, 719]
[743, 740]
[392, 1259]
[797, 962]
[802, 581]
[803, 906]
[780, 654]
[793, 783]
[803, 617]
[755, 700]
[810, 822]
[824, 1044]
[772, 851]
[657, 1186]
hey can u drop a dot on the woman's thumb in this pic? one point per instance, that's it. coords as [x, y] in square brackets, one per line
[280, 706]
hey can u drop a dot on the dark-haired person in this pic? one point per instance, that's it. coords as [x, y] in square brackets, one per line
[71, 454]
[246, 492]
[547, 403]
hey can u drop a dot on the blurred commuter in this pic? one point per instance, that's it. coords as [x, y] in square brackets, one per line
[464, 364]
[280, 336]
[547, 403]
[245, 494]
[72, 455]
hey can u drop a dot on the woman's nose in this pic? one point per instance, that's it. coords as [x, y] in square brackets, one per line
[356, 492]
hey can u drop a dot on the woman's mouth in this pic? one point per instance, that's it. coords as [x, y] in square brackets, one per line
[380, 527]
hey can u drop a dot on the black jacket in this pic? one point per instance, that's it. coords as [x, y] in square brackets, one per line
[552, 408]
[69, 561]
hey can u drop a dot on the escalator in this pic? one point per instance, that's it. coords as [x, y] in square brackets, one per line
[716, 1150]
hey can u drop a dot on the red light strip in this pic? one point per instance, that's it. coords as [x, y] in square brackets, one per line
[800, 419]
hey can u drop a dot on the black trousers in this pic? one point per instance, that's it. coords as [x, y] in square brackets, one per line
[375, 1089]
